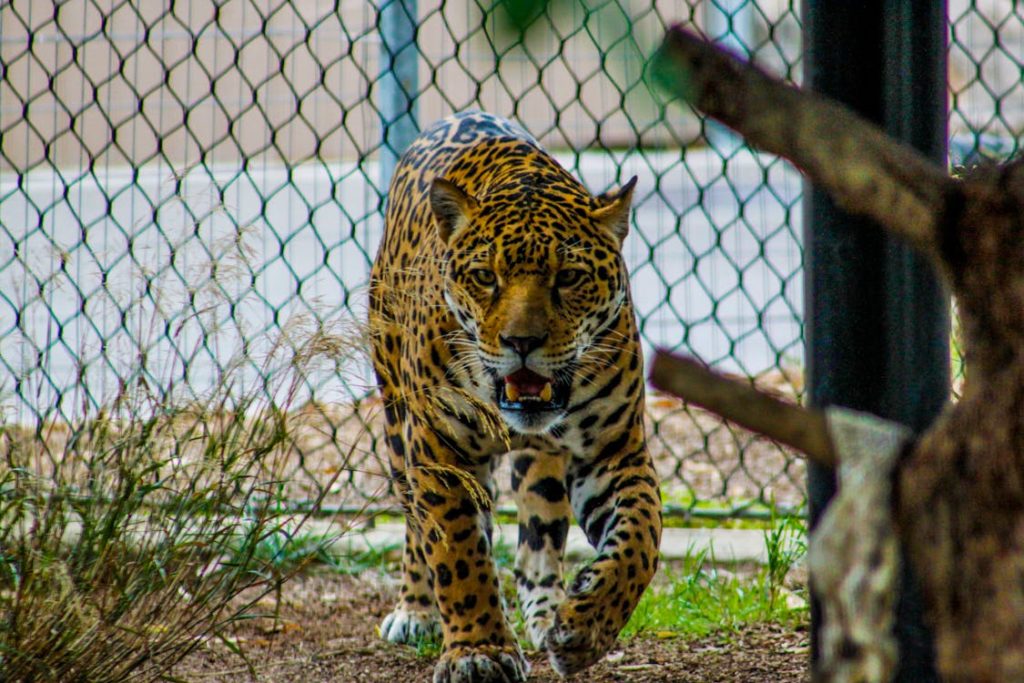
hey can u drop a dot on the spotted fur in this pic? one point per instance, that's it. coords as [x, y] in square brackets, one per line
[494, 258]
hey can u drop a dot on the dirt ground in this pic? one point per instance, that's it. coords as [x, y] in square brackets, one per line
[324, 630]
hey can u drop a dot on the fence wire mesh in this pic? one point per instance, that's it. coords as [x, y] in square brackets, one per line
[184, 185]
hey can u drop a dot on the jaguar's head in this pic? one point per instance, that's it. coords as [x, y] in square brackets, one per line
[533, 273]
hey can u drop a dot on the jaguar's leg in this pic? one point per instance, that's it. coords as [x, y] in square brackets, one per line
[415, 617]
[617, 503]
[484, 474]
[479, 645]
[538, 484]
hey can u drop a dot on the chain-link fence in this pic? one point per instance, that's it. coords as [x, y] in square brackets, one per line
[181, 183]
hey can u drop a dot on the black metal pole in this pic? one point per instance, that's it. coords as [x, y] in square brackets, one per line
[876, 318]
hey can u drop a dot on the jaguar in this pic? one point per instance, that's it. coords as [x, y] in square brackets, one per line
[501, 324]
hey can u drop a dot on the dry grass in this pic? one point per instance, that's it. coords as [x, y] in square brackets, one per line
[126, 535]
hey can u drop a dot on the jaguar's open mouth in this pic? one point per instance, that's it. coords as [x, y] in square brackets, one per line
[525, 390]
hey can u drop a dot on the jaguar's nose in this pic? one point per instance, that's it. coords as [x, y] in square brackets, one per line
[523, 345]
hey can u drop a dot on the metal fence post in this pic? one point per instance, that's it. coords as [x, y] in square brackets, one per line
[399, 83]
[876, 319]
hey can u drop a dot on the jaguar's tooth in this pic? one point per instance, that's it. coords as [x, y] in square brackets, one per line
[511, 392]
[546, 393]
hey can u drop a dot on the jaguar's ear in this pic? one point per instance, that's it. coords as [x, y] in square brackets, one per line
[452, 207]
[613, 209]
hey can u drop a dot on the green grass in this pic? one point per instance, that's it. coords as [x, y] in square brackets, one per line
[285, 549]
[429, 648]
[504, 554]
[381, 560]
[786, 544]
[700, 598]
[289, 549]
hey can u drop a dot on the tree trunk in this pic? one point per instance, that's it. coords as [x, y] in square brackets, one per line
[959, 494]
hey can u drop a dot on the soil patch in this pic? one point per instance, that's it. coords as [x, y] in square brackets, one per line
[323, 628]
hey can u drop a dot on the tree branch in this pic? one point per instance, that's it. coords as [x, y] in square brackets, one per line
[864, 171]
[802, 428]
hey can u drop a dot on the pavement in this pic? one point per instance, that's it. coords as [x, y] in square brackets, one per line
[724, 545]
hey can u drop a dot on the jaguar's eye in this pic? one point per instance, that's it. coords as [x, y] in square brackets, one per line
[567, 278]
[484, 277]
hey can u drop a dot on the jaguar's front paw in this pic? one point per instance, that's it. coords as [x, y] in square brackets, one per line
[410, 626]
[580, 636]
[486, 664]
[537, 628]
